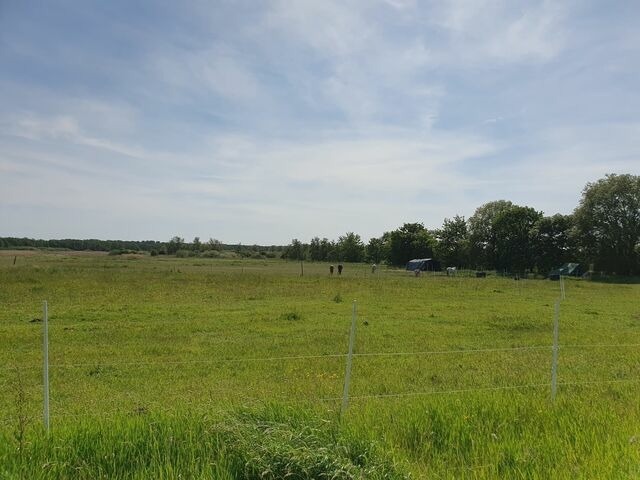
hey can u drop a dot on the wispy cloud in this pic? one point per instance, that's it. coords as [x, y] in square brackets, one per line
[260, 122]
[498, 30]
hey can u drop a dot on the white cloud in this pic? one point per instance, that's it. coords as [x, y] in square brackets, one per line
[64, 128]
[332, 28]
[501, 30]
[237, 176]
[217, 69]
[551, 176]
[362, 69]
[312, 118]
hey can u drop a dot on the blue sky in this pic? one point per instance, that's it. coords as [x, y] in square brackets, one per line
[258, 122]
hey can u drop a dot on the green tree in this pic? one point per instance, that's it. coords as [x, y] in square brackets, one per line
[453, 242]
[327, 249]
[175, 244]
[315, 250]
[482, 239]
[553, 245]
[350, 248]
[375, 250]
[197, 244]
[608, 223]
[214, 244]
[514, 240]
[295, 250]
[411, 240]
[322, 250]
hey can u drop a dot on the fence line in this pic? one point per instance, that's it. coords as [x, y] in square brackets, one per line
[187, 362]
[601, 345]
[483, 389]
[595, 382]
[10, 420]
[345, 398]
[445, 352]
[320, 356]
[448, 392]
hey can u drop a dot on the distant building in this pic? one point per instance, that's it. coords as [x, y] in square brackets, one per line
[567, 270]
[423, 265]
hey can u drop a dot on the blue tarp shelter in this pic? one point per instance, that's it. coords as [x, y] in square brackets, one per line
[567, 270]
[423, 264]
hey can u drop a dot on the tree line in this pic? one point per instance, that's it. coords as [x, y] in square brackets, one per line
[176, 245]
[214, 248]
[603, 233]
[76, 244]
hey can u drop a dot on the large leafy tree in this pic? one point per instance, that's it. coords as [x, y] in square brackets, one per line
[327, 249]
[514, 246]
[376, 250]
[453, 242]
[315, 250]
[214, 244]
[553, 242]
[351, 248]
[175, 244]
[322, 250]
[482, 238]
[411, 240]
[608, 223]
[295, 250]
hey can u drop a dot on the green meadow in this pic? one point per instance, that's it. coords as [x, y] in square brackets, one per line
[208, 368]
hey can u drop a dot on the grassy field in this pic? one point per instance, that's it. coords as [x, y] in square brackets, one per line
[235, 369]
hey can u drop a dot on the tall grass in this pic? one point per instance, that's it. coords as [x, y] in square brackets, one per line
[499, 435]
[151, 358]
[274, 442]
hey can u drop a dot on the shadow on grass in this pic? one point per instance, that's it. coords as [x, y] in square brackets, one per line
[616, 279]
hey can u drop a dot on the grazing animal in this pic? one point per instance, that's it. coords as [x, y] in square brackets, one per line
[331, 269]
[339, 269]
[451, 271]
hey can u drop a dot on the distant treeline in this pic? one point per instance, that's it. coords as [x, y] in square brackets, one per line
[89, 244]
[175, 246]
[602, 233]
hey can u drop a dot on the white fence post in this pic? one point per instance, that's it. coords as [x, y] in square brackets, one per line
[45, 355]
[554, 364]
[347, 375]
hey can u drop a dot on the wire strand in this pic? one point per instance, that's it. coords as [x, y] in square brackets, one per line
[321, 356]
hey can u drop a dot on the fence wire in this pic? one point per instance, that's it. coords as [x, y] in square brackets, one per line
[121, 413]
[320, 356]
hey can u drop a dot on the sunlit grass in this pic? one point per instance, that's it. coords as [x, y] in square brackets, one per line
[173, 342]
